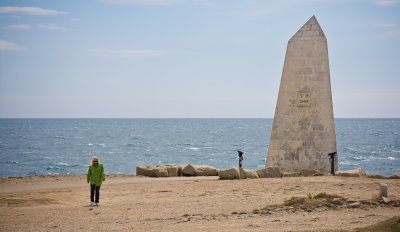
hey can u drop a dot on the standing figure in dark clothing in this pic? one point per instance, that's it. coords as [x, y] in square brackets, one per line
[240, 154]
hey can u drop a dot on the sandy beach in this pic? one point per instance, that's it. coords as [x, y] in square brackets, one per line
[61, 203]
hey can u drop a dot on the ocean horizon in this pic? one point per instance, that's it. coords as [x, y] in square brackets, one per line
[42, 146]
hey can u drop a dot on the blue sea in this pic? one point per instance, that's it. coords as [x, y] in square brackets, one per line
[64, 146]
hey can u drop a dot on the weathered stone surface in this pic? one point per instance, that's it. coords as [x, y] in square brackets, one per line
[338, 201]
[164, 170]
[395, 176]
[204, 170]
[386, 200]
[142, 171]
[359, 172]
[242, 173]
[199, 170]
[180, 169]
[303, 131]
[291, 174]
[383, 190]
[307, 172]
[355, 205]
[172, 170]
[188, 170]
[229, 174]
[270, 172]
[375, 176]
[161, 172]
[250, 174]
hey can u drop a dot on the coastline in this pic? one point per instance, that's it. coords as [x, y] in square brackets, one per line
[128, 202]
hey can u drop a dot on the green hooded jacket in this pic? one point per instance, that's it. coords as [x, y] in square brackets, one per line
[95, 175]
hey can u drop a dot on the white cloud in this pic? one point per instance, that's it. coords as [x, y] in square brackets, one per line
[9, 46]
[127, 53]
[387, 2]
[52, 27]
[76, 19]
[143, 2]
[18, 27]
[29, 11]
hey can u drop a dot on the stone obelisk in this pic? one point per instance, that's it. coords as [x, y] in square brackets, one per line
[303, 131]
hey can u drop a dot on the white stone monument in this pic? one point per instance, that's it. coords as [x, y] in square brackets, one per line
[303, 131]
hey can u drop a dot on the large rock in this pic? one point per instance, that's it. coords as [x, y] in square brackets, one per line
[188, 170]
[165, 170]
[204, 170]
[270, 172]
[171, 168]
[375, 176]
[161, 172]
[308, 172]
[142, 170]
[394, 176]
[229, 174]
[359, 172]
[250, 174]
[291, 174]
[199, 170]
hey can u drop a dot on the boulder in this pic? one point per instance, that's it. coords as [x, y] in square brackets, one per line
[395, 176]
[199, 170]
[157, 171]
[308, 172]
[291, 174]
[356, 204]
[204, 170]
[180, 169]
[172, 170]
[375, 176]
[142, 171]
[229, 174]
[250, 174]
[338, 201]
[161, 172]
[188, 170]
[270, 172]
[242, 173]
[359, 172]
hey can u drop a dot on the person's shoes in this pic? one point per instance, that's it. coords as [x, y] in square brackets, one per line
[97, 204]
[91, 203]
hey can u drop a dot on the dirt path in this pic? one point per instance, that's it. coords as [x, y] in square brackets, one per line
[60, 203]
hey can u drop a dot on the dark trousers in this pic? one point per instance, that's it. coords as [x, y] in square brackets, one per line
[94, 190]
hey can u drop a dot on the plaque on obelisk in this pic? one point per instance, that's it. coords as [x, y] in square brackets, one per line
[303, 132]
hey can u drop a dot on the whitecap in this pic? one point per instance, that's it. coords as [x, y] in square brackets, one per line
[90, 144]
[61, 164]
[391, 158]
[194, 148]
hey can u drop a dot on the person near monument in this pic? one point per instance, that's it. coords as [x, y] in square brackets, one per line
[240, 154]
[95, 177]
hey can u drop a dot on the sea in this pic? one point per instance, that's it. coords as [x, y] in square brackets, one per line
[30, 147]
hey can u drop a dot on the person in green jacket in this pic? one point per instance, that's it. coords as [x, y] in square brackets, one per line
[95, 176]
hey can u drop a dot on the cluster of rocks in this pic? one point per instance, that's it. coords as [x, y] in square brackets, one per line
[173, 170]
[359, 172]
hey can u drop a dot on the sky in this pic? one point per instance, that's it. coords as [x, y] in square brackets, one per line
[188, 58]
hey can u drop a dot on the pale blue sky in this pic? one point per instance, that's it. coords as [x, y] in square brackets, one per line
[188, 58]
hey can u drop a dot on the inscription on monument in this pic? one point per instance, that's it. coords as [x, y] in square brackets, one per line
[303, 98]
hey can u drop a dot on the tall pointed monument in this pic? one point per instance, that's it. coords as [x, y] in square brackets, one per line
[303, 131]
